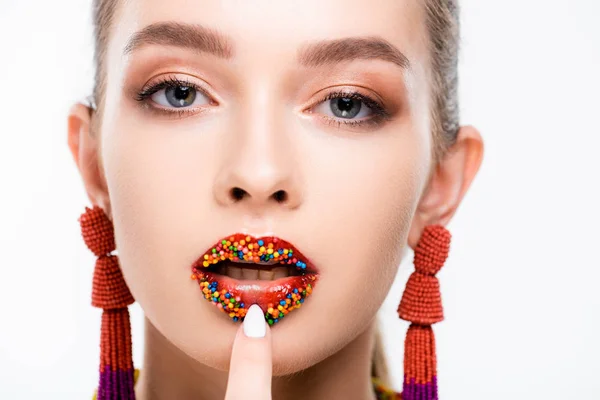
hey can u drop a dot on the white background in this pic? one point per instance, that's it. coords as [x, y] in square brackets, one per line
[521, 287]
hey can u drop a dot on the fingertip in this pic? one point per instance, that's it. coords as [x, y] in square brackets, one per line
[254, 324]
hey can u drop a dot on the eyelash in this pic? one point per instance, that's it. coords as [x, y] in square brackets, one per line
[143, 95]
[380, 114]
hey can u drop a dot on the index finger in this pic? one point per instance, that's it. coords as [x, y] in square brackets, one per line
[250, 367]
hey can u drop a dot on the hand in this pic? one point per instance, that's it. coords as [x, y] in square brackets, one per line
[251, 366]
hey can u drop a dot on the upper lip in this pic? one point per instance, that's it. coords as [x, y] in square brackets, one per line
[223, 248]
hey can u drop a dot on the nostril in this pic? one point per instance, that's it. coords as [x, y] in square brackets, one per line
[280, 196]
[237, 193]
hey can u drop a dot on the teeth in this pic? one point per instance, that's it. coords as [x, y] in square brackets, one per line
[265, 275]
[256, 274]
[280, 272]
[249, 274]
[234, 272]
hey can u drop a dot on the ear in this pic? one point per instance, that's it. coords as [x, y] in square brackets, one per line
[84, 146]
[448, 183]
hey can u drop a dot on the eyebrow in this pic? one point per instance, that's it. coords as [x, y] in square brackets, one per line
[193, 37]
[315, 54]
[347, 49]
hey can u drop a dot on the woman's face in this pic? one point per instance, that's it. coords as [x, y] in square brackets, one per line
[244, 139]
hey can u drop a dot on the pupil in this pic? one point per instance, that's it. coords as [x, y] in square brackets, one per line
[345, 104]
[182, 92]
[180, 96]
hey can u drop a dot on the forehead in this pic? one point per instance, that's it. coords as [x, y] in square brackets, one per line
[277, 29]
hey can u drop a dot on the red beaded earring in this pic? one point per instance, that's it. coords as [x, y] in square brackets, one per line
[421, 305]
[110, 292]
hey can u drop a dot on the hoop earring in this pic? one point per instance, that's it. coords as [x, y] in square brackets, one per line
[421, 305]
[111, 294]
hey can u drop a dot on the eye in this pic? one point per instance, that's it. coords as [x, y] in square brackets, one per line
[173, 96]
[351, 109]
[344, 107]
[179, 96]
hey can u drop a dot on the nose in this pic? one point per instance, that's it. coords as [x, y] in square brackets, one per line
[260, 171]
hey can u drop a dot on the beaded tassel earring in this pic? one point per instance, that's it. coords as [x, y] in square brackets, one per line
[421, 305]
[110, 292]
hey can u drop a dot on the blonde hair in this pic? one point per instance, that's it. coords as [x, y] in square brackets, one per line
[379, 365]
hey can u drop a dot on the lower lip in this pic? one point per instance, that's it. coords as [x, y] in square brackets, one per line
[276, 298]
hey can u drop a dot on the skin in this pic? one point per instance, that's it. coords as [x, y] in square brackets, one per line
[356, 197]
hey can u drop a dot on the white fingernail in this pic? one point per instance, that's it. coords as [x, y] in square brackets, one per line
[254, 322]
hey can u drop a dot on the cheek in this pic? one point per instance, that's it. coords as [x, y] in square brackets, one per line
[158, 183]
[362, 196]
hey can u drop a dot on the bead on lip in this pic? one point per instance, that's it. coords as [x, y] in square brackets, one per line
[243, 248]
[277, 298]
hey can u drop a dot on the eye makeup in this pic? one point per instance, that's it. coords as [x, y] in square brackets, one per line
[171, 82]
[379, 114]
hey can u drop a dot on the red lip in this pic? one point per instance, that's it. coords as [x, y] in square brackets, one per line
[233, 296]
